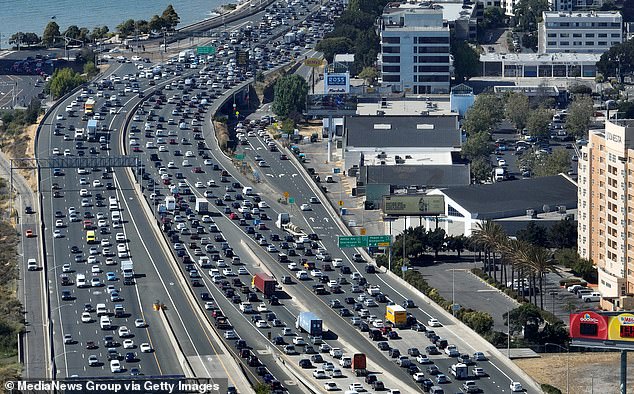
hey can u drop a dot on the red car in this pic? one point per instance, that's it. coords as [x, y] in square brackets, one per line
[197, 170]
[29, 233]
[233, 216]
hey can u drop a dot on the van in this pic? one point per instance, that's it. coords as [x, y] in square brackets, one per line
[329, 179]
[247, 190]
[115, 215]
[80, 280]
[114, 206]
[104, 322]
[101, 309]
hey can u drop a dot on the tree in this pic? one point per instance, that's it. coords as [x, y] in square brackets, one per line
[484, 114]
[490, 238]
[170, 17]
[332, 46]
[516, 109]
[156, 23]
[480, 322]
[369, 75]
[126, 28]
[493, 17]
[530, 40]
[626, 110]
[538, 122]
[526, 313]
[51, 32]
[528, 13]
[72, 32]
[618, 60]
[457, 243]
[436, 240]
[289, 95]
[90, 69]
[63, 81]
[466, 60]
[563, 234]
[99, 32]
[546, 165]
[477, 145]
[534, 234]
[481, 169]
[580, 89]
[579, 116]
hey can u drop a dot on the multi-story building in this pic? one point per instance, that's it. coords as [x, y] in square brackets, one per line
[606, 210]
[580, 32]
[555, 5]
[414, 54]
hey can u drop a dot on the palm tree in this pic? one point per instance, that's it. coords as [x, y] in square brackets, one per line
[541, 259]
[513, 247]
[491, 237]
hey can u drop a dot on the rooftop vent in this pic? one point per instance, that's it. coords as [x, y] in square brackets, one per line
[382, 126]
[424, 126]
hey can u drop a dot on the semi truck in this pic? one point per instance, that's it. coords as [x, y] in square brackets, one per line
[91, 128]
[396, 314]
[283, 222]
[310, 323]
[359, 366]
[459, 370]
[202, 205]
[127, 267]
[264, 283]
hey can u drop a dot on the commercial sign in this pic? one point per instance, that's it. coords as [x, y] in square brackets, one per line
[313, 62]
[337, 83]
[414, 205]
[602, 329]
[332, 102]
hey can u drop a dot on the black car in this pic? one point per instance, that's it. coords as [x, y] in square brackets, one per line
[130, 357]
[28, 210]
[384, 346]
[305, 363]
[317, 358]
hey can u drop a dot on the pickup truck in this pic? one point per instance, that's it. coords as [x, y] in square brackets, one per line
[470, 387]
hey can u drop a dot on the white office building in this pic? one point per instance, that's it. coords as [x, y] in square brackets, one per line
[414, 56]
[580, 32]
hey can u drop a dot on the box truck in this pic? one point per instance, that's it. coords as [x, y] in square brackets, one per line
[359, 364]
[202, 205]
[264, 283]
[396, 314]
[310, 323]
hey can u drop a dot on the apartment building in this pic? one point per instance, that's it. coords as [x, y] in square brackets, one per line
[580, 31]
[555, 5]
[414, 56]
[606, 210]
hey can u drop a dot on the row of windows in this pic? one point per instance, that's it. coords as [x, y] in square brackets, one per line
[431, 49]
[431, 40]
[583, 24]
[391, 40]
[391, 69]
[391, 78]
[580, 43]
[431, 78]
[391, 49]
[391, 59]
[588, 35]
[429, 69]
[431, 59]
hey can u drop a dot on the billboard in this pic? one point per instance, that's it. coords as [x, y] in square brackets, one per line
[331, 102]
[602, 329]
[414, 205]
[337, 83]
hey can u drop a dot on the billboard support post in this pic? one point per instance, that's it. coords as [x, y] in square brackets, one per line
[623, 371]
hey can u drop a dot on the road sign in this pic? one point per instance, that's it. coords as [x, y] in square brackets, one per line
[362, 230]
[341, 203]
[456, 307]
[239, 156]
[354, 241]
[379, 240]
[313, 62]
[205, 50]
[286, 194]
[291, 200]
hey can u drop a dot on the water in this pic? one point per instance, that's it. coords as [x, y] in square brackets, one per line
[34, 15]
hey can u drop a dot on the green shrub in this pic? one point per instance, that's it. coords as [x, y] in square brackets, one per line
[548, 389]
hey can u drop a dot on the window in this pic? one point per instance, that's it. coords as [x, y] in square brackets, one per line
[433, 78]
[603, 24]
[564, 35]
[392, 40]
[391, 69]
[451, 211]
[552, 35]
[391, 78]
[615, 35]
[433, 50]
[391, 59]
[615, 24]
[576, 35]
[433, 40]
[564, 43]
[391, 49]
[433, 59]
[590, 43]
[602, 43]
[589, 35]
[552, 43]
[427, 69]
[603, 35]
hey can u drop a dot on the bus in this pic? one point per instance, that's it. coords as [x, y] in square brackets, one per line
[90, 237]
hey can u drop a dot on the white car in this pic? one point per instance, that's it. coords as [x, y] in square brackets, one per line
[319, 374]
[58, 234]
[433, 323]
[261, 324]
[145, 348]
[59, 223]
[356, 386]
[331, 386]
[231, 335]
[262, 307]
[128, 344]
[140, 323]
[305, 207]
[115, 366]
[123, 332]
[86, 318]
[516, 387]
[209, 305]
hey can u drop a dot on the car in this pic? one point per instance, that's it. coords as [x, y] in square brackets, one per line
[356, 386]
[31, 265]
[442, 378]
[478, 372]
[319, 374]
[115, 366]
[85, 317]
[124, 332]
[433, 323]
[146, 348]
[479, 356]
[128, 344]
[261, 324]
[29, 233]
[305, 207]
[516, 387]
[93, 361]
[230, 335]
[331, 386]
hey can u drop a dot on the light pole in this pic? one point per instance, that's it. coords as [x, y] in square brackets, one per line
[567, 349]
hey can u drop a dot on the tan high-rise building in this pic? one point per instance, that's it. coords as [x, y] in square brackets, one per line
[606, 210]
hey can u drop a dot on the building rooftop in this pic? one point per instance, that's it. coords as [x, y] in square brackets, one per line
[581, 14]
[402, 131]
[513, 198]
[427, 159]
[462, 89]
[541, 58]
[421, 105]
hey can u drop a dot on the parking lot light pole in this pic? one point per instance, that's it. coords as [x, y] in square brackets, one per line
[567, 349]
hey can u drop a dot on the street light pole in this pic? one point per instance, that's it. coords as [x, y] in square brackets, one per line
[567, 349]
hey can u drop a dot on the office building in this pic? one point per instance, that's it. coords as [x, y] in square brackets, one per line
[414, 56]
[580, 32]
[606, 210]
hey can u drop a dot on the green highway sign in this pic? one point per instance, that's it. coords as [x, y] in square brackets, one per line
[205, 50]
[354, 241]
[379, 240]
[239, 156]
[291, 200]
